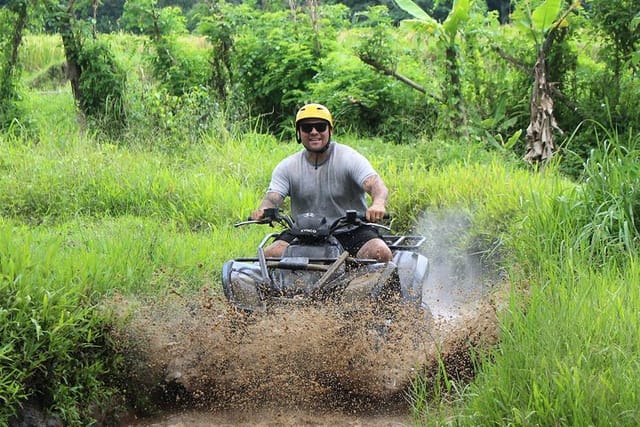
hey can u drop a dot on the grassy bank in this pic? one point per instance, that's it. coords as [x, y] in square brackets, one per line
[569, 347]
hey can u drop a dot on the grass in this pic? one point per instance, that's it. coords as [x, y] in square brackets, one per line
[568, 358]
[82, 218]
[89, 220]
[568, 353]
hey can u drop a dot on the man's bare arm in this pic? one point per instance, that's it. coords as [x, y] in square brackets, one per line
[378, 191]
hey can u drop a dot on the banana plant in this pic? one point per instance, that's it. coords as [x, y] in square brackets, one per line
[536, 23]
[540, 24]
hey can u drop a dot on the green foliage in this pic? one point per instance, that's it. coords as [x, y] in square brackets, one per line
[456, 19]
[53, 342]
[172, 121]
[618, 20]
[177, 67]
[273, 65]
[539, 20]
[607, 208]
[219, 26]
[145, 17]
[414, 10]
[13, 19]
[367, 103]
[376, 38]
[364, 100]
[37, 53]
[446, 36]
[103, 86]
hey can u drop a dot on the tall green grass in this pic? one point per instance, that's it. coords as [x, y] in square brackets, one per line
[52, 342]
[569, 348]
[198, 190]
[39, 52]
[569, 357]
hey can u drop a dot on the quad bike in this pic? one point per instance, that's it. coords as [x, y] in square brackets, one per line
[316, 269]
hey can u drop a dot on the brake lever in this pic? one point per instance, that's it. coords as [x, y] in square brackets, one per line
[375, 224]
[364, 221]
[352, 218]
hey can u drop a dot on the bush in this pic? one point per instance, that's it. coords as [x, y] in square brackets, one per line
[52, 346]
[102, 85]
[273, 65]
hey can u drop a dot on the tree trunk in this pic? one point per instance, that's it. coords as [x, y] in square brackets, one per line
[11, 59]
[540, 141]
[542, 124]
[71, 50]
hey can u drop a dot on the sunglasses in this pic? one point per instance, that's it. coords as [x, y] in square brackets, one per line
[308, 127]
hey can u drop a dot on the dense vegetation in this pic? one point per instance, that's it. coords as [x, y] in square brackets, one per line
[127, 181]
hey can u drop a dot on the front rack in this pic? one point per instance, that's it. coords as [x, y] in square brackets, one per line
[403, 242]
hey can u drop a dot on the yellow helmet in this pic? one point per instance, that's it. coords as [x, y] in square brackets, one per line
[314, 111]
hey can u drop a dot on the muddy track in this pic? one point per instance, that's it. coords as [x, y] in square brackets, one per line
[197, 362]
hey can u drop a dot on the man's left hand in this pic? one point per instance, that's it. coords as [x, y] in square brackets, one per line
[375, 213]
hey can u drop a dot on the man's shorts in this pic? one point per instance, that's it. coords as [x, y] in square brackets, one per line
[351, 241]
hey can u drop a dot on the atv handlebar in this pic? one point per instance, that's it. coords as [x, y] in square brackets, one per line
[271, 215]
[351, 217]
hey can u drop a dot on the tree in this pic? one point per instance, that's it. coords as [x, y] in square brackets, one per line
[219, 27]
[541, 25]
[619, 20]
[16, 17]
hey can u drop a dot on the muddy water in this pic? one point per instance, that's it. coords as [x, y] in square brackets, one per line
[196, 362]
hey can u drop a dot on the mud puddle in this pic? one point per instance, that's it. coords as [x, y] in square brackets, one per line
[272, 418]
[196, 362]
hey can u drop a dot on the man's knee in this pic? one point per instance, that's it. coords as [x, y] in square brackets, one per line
[376, 249]
[276, 249]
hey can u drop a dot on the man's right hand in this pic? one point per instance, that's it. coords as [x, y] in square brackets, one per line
[257, 215]
[271, 200]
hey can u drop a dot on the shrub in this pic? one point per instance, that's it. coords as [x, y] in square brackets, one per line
[52, 346]
[103, 86]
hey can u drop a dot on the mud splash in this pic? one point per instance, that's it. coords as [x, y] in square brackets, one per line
[204, 364]
[196, 362]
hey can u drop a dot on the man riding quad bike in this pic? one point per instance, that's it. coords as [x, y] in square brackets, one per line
[332, 247]
[315, 268]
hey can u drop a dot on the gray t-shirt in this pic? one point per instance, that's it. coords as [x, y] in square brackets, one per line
[327, 189]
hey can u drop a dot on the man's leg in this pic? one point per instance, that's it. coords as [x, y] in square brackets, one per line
[276, 249]
[376, 249]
